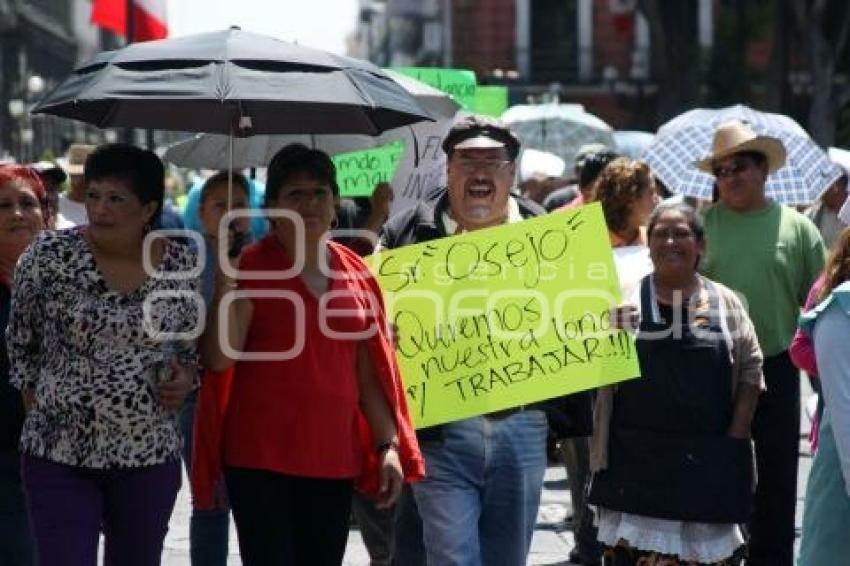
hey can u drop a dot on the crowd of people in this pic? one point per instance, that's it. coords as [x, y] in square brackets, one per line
[126, 352]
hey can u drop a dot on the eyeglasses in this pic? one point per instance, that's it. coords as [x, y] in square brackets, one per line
[671, 234]
[736, 167]
[488, 165]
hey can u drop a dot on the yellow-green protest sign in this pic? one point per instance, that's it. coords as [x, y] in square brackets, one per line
[505, 316]
[491, 100]
[460, 83]
[357, 172]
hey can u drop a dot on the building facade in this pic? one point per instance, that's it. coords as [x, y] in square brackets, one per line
[37, 50]
[593, 52]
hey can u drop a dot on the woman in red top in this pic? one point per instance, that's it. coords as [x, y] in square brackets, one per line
[315, 401]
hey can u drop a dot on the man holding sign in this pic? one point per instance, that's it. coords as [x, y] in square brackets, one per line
[479, 501]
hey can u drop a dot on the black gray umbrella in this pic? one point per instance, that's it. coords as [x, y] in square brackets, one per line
[232, 82]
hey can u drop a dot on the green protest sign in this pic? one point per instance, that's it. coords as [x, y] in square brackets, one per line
[491, 100]
[460, 83]
[358, 172]
[505, 316]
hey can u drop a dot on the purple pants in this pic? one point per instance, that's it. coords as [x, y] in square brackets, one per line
[69, 506]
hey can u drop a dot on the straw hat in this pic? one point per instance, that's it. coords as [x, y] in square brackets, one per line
[734, 137]
[77, 155]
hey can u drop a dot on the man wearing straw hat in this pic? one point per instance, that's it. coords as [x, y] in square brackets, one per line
[72, 210]
[771, 254]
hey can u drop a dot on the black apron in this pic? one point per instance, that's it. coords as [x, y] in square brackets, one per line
[668, 453]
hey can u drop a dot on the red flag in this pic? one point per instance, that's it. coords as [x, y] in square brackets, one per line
[623, 15]
[149, 18]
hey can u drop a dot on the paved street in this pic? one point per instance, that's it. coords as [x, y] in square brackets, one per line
[551, 544]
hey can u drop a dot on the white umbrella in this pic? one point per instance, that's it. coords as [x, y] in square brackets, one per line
[687, 138]
[558, 128]
[212, 151]
[839, 156]
[633, 143]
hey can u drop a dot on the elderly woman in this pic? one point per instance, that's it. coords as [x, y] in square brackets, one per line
[671, 453]
[99, 346]
[315, 401]
[626, 190]
[827, 512]
[24, 212]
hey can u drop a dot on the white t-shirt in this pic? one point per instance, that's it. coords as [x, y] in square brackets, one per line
[844, 213]
[71, 213]
[633, 264]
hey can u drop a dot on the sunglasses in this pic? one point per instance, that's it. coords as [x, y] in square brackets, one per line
[736, 167]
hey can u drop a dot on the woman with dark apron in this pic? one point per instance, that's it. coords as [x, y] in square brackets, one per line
[675, 473]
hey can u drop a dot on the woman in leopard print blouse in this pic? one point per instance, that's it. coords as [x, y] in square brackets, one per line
[101, 345]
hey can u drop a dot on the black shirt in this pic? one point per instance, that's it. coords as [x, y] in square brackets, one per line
[11, 405]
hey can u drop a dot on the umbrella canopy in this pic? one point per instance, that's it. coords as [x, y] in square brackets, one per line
[235, 82]
[437, 102]
[211, 151]
[558, 128]
[633, 143]
[682, 141]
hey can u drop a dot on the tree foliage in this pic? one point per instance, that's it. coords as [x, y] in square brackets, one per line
[824, 29]
[675, 55]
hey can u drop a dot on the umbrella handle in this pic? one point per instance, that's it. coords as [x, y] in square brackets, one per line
[230, 170]
[415, 147]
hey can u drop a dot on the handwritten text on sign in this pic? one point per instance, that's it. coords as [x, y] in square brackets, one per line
[506, 316]
[358, 172]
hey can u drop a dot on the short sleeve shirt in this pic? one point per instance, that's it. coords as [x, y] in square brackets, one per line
[772, 257]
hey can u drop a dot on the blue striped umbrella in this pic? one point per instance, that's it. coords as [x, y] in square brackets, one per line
[686, 139]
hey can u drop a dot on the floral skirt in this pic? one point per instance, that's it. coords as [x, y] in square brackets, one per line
[623, 555]
[688, 542]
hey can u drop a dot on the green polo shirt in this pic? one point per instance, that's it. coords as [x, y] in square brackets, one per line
[770, 256]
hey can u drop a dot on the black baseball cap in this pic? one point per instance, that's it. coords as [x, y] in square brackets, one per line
[50, 170]
[476, 131]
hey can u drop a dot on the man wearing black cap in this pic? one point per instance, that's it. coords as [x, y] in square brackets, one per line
[52, 176]
[478, 503]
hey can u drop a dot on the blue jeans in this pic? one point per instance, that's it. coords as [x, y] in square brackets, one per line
[479, 499]
[16, 545]
[208, 529]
